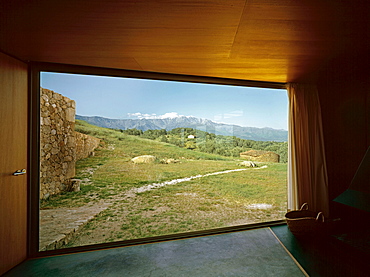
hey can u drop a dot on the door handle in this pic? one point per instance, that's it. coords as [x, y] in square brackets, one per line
[20, 172]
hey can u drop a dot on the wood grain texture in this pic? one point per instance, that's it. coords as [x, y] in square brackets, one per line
[263, 40]
[13, 149]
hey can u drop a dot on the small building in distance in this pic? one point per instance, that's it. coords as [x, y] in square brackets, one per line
[260, 156]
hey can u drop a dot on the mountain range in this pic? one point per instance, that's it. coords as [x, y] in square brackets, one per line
[251, 133]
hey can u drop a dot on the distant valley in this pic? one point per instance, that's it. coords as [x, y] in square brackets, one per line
[251, 133]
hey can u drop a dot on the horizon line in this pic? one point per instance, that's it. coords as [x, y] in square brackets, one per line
[280, 129]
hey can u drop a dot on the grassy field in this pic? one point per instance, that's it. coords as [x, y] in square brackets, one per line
[203, 203]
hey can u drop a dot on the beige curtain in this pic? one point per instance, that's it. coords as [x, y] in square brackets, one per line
[307, 176]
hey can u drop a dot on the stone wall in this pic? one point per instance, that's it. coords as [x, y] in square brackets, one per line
[260, 156]
[60, 145]
[57, 142]
[85, 145]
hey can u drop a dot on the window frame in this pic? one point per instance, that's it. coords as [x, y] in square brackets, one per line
[35, 69]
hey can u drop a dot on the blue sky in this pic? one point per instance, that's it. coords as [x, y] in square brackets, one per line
[121, 98]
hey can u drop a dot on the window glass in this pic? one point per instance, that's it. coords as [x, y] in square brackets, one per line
[125, 158]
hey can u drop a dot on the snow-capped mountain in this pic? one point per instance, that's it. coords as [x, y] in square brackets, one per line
[252, 133]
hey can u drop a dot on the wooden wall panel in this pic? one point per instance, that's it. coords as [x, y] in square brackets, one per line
[13, 156]
[344, 96]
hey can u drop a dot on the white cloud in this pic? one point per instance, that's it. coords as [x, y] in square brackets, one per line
[170, 115]
[154, 116]
[140, 115]
[233, 114]
[228, 118]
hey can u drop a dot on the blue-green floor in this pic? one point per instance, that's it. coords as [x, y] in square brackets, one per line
[326, 255]
[246, 253]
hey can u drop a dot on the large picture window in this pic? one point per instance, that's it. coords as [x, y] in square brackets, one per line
[128, 158]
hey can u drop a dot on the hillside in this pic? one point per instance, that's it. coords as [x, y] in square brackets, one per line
[143, 200]
[250, 133]
[127, 146]
[226, 146]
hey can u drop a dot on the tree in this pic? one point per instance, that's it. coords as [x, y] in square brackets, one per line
[163, 138]
[133, 132]
[190, 144]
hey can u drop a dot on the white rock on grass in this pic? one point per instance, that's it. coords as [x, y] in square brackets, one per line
[248, 164]
[145, 159]
[261, 206]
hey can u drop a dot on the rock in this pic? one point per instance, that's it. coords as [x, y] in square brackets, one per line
[75, 185]
[169, 161]
[145, 159]
[54, 150]
[72, 104]
[248, 164]
[68, 158]
[71, 142]
[57, 96]
[45, 97]
[70, 114]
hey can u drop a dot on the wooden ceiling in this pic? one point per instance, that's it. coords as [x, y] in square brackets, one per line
[262, 40]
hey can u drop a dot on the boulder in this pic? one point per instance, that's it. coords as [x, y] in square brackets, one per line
[169, 161]
[145, 159]
[74, 185]
[248, 164]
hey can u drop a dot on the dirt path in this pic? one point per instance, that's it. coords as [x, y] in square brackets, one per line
[58, 226]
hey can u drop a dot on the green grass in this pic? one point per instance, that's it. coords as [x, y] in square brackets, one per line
[203, 203]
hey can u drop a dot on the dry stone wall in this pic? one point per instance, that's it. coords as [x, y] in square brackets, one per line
[260, 156]
[57, 142]
[60, 145]
[85, 145]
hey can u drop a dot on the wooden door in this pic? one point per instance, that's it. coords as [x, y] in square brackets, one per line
[13, 156]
